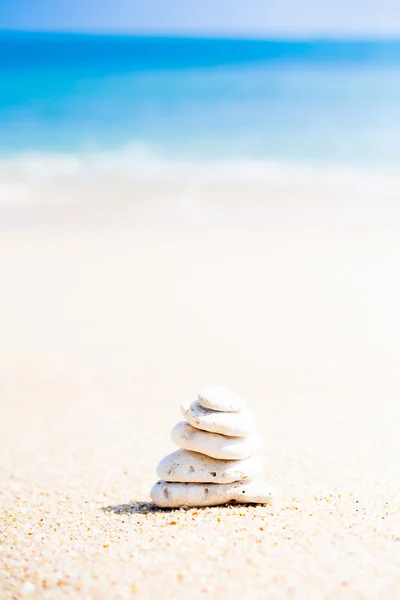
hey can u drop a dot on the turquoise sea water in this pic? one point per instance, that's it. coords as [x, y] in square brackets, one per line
[201, 99]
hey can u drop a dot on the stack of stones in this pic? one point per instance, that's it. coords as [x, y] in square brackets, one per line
[215, 462]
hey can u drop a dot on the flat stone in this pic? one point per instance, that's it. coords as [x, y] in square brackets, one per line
[174, 495]
[236, 424]
[215, 445]
[191, 467]
[216, 397]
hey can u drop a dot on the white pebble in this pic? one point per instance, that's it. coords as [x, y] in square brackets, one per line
[185, 466]
[216, 397]
[213, 444]
[236, 424]
[174, 495]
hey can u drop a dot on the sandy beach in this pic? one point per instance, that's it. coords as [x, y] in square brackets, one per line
[117, 303]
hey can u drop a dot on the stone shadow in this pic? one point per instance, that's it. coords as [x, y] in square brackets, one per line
[145, 508]
[137, 508]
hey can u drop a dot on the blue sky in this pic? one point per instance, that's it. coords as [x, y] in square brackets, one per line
[207, 17]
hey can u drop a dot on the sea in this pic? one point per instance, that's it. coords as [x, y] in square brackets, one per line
[139, 101]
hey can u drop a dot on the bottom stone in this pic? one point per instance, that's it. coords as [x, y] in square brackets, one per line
[174, 495]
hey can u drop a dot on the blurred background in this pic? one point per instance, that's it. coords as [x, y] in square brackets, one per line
[157, 89]
[260, 84]
[201, 99]
[204, 189]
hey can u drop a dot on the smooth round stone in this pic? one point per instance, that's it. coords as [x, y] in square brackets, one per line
[191, 467]
[216, 397]
[213, 444]
[236, 424]
[174, 495]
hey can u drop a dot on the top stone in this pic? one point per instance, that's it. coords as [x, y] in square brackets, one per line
[216, 397]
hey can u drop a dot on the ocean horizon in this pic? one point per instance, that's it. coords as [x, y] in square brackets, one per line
[137, 101]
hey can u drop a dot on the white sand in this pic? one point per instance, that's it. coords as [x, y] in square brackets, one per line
[106, 326]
